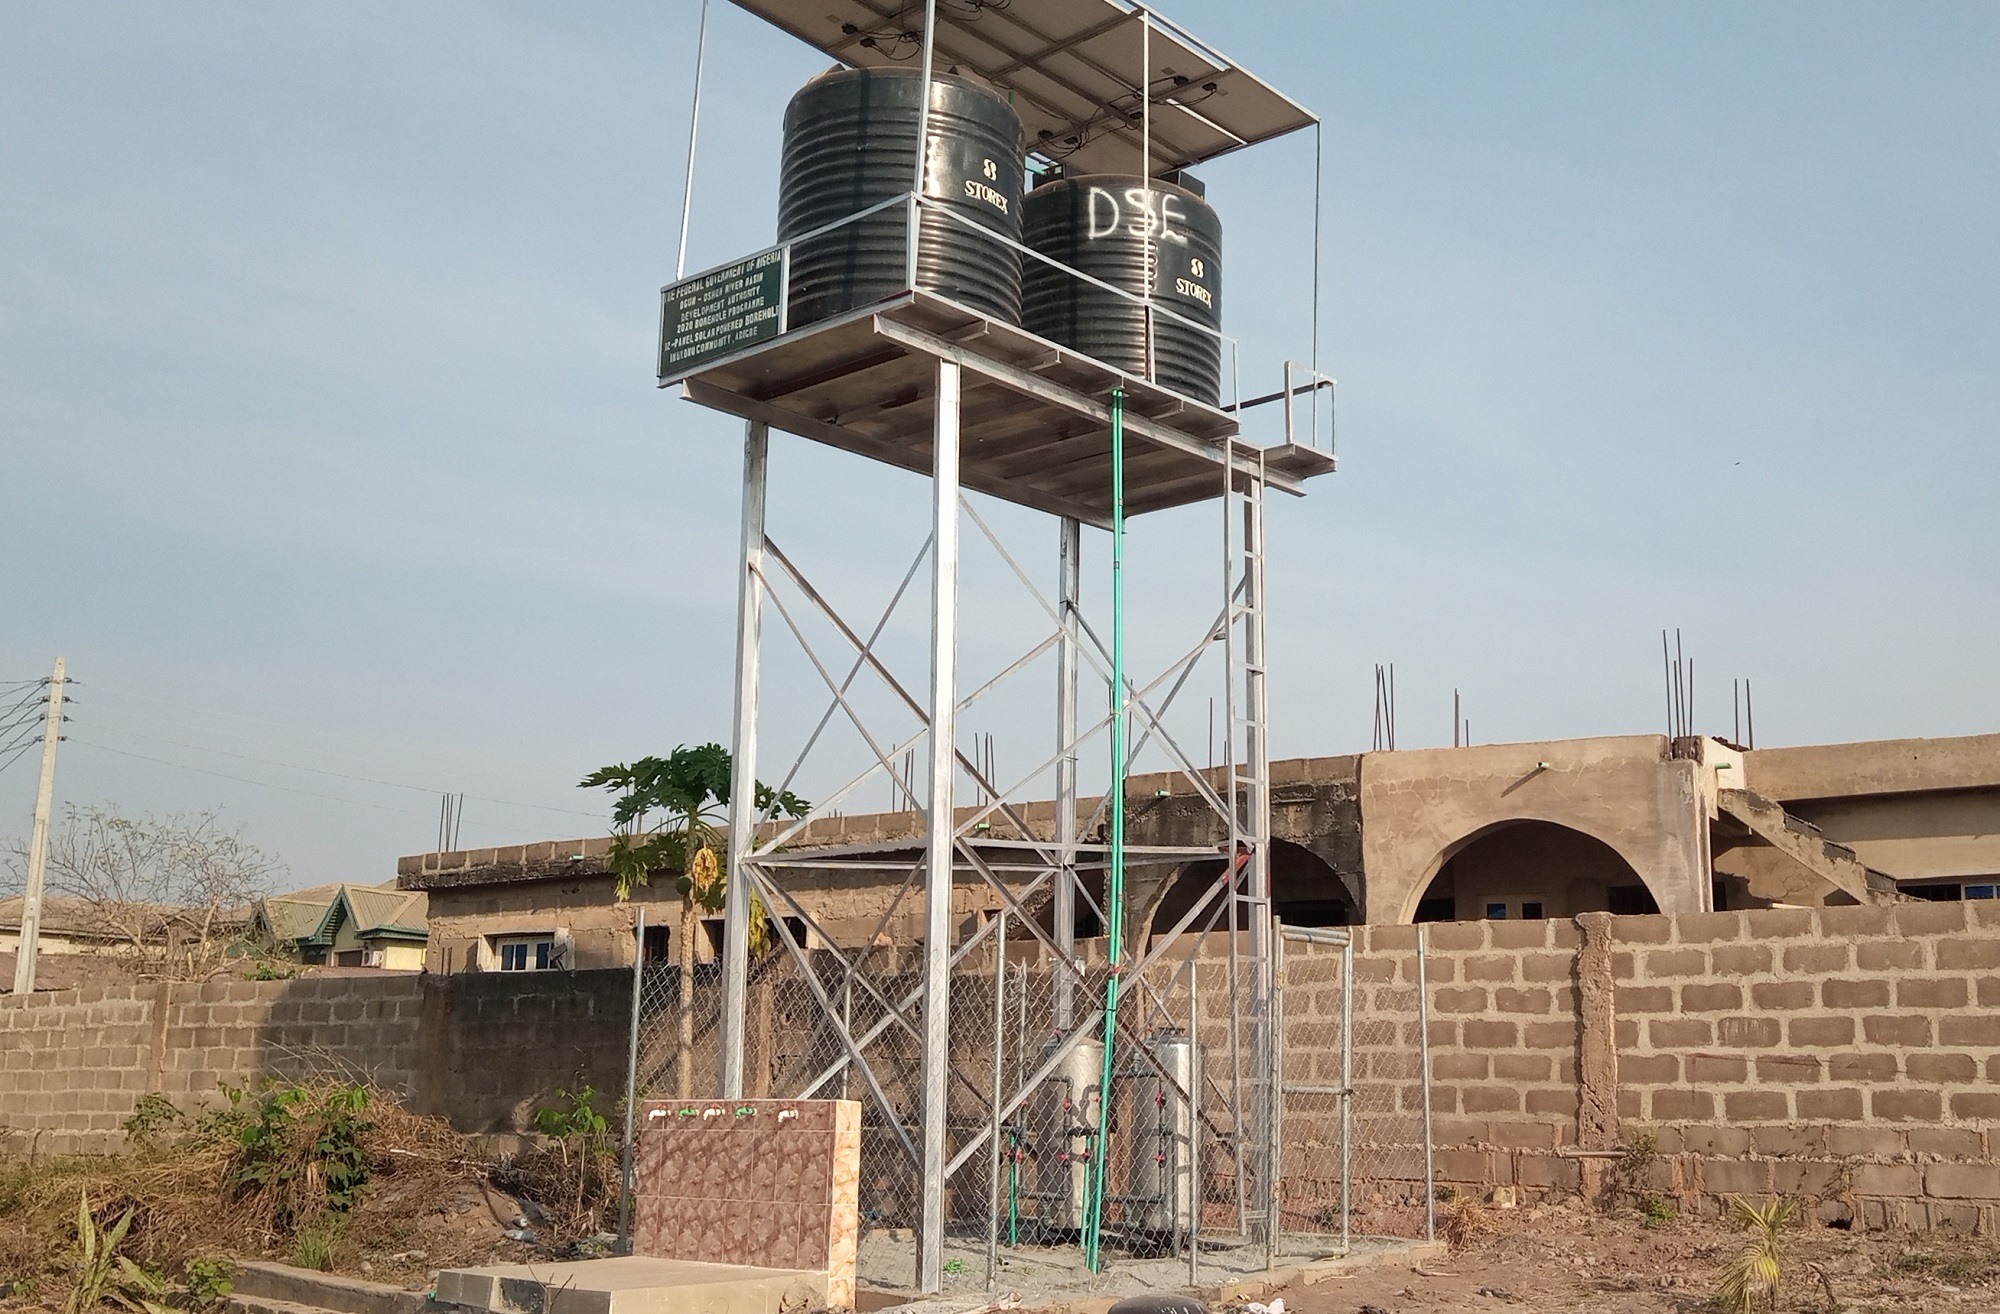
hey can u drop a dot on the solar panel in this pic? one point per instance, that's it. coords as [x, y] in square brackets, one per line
[1073, 68]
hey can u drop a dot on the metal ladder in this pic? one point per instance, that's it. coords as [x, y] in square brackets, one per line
[1248, 762]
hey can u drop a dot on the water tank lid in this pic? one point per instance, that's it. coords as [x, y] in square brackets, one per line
[958, 71]
[1181, 178]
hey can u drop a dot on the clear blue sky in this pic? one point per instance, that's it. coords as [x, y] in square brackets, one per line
[329, 438]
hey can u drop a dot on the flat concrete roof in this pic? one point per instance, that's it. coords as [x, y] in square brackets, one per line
[1878, 766]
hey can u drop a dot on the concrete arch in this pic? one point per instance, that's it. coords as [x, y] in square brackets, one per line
[1422, 807]
[1303, 884]
[1620, 863]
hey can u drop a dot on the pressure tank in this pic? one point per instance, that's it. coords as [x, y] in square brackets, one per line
[1153, 239]
[1065, 1115]
[850, 141]
[1162, 1139]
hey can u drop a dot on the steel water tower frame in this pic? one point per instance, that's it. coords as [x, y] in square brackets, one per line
[974, 403]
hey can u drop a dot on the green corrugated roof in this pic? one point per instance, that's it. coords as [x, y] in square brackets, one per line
[313, 916]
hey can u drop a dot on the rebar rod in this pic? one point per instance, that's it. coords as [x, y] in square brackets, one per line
[694, 126]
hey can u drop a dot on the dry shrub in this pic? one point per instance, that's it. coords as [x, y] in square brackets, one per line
[572, 1174]
[1463, 1222]
[242, 1179]
[179, 1208]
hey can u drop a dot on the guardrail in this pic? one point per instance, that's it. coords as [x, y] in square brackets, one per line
[730, 307]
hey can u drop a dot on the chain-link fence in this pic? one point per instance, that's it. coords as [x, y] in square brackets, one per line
[1355, 1058]
[1030, 1133]
[1183, 1148]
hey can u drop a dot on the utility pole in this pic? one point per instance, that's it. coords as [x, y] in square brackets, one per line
[38, 844]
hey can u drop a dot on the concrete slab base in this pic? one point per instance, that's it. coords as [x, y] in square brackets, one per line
[632, 1284]
[1052, 1279]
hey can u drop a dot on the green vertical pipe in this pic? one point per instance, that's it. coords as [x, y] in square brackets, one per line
[1013, 1188]
[1114, 879]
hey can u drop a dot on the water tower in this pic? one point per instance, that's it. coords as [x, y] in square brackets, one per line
[998, 270]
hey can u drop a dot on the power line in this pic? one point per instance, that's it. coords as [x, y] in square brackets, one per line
[324, 771]
[208, 713]
[343, 775]
[246, 780]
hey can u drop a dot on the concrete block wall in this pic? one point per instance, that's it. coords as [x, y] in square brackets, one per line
[1846, 1056]
[498, 1045]
[1849, 1057]
[485, 1050]
[1506, 1040]
[74, 1063]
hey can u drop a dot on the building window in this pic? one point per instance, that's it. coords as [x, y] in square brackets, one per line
[527, 953]
[1531, 912]
[1979, 891]
[1496, 912]
[1630, 901]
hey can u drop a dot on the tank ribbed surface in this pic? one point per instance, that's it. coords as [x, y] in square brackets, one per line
[850, 141]
[1158, 240]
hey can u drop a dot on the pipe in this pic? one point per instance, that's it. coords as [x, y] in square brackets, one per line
[1114, 876]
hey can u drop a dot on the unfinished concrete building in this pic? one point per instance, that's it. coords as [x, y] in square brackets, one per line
[1627, 824]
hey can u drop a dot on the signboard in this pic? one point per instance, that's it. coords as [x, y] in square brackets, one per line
[721, 311]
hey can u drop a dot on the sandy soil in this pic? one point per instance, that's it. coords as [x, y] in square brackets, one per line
[1556, 1258]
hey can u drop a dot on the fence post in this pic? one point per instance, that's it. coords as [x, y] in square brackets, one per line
[999, 1062]
[1274, 1123]
[1424, 1050]
[1347, 1095]
[1197, 1181]
[632, 1078]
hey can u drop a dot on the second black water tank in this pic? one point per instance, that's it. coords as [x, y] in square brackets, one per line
[1157, 240]
[850, 141]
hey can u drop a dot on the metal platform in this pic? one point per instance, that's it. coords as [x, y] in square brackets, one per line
[1035, 420]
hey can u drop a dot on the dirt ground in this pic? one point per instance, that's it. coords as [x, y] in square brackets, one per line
[1558, 1258]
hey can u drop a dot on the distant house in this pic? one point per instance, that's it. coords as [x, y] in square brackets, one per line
[69, 926]
[344, 925]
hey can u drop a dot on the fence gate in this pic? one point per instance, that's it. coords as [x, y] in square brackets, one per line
[1353, 1131]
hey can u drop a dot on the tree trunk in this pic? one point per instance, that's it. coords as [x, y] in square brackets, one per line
[684, 1058]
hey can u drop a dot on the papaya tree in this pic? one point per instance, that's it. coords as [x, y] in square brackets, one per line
[671, 814]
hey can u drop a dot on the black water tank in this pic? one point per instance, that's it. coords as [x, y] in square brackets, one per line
[1159, 239]
[850, 141]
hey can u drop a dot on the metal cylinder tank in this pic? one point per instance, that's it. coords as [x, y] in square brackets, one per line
[1162, 1140]
[850, 142]
[1157, 240]
[1065, 1119]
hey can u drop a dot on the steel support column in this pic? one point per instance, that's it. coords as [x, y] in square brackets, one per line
[743, 765]
[1069, 587]
[940, 826]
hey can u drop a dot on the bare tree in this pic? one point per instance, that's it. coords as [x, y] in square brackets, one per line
[172, 890]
